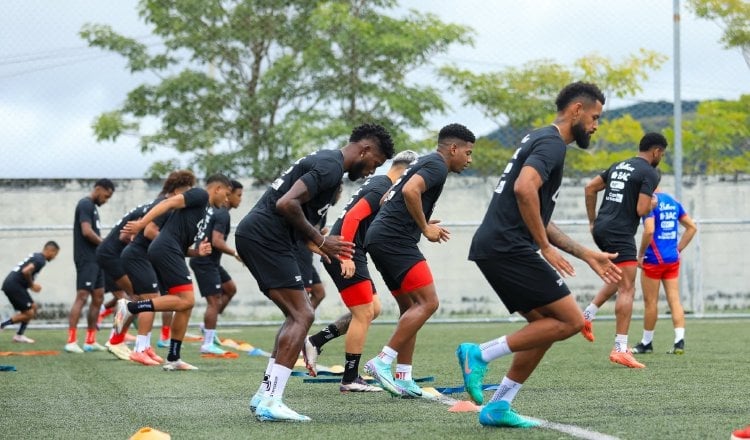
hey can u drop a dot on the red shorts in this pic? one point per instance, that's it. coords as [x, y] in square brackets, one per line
[357, 294]
[418, 276]
[664, 271]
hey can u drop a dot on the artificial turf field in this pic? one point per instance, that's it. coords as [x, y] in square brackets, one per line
[702, 394]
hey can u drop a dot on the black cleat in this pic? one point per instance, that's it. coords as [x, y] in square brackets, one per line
[641, 348]
[679, 347]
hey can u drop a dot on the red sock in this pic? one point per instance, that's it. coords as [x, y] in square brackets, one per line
[108, 311]
[165, 331]
[117, 338]
[71, 335]
[90, 336]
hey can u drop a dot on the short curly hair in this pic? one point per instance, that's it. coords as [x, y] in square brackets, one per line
[178, 179]
[651, 140]
[456, 131]
[578, 89]
[377, 133]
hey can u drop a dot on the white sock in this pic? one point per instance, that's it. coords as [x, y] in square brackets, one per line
[148, 341]
[387, 355]
[648, 336]
[264, 388]
[208, 337]
[494, 349]
[140, 343]
[621, 343]
[403, 372]
[279, 376]
[679, 334]
[506, 391]
[589, 313]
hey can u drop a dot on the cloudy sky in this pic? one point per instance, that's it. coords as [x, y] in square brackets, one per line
[52, 85]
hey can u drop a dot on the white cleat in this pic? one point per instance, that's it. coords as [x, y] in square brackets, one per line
[178, 365]
[272, 409]
[121, 351]
[121, 314]
[310, 355]
[72, 347]
[23, 339]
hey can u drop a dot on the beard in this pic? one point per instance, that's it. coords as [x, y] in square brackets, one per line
[582, 138]
[356, 171]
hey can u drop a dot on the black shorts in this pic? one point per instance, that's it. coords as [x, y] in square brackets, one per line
[393, 260]
[272, 268]
[140, 271]
[209, 277]
[18, 296]
[361, 273]
[523, 280]
[171, 268]
[623, 244]
[111, 265]
[89, 276]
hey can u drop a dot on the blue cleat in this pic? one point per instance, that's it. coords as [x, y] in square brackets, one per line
[473, 369]
[381, 372]
[410, 390]
[255, 401]
[272, 409]
[501, 414]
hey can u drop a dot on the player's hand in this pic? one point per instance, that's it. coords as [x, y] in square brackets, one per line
[435, 233]
[334, 247]
[237, 257]
[36, 287]
[556, 260]
[601, 263]
[347, 268]
[204, 248]
[132, 227]
[639, 260]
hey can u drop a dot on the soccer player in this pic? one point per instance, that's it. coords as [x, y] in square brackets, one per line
[266, 242]
[516, 247]
[183, 234]
[659, 257]
[391, 241]
[89, 277]
[352, 277]
[16, 286]
[214, 282]
[628, 195]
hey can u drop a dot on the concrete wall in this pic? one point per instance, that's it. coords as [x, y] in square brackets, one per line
[36, 211]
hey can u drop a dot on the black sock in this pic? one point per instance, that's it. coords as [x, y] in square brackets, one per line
[174, 350]
[22, 328]
[144, 305]
[319, 339]
[6, 323]
[351, 367]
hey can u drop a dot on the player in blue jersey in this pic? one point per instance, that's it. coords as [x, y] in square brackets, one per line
[16, 287]
[659, 258]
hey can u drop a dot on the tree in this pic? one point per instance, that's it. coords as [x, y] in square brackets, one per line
[246, 85]
[733, 16]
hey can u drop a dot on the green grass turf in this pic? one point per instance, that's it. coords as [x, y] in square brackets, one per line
[700, 395]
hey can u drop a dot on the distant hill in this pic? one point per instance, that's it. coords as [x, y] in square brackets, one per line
[653, 116]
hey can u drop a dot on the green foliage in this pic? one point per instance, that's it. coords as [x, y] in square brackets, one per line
[733, 15]
[489, 157]
[246, 85]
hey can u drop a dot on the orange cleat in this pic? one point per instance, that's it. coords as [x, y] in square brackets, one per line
[741, 434]
[152, 354]
[142, 358]
[625, 358]
[588, 330]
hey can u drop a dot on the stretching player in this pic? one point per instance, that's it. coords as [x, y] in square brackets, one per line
[391, 241]
[16, 286]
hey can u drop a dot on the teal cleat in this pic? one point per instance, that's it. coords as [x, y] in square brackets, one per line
[381, 372]
[473, 369]
[501, 414]
[410, 390]
[272, 409]
[255, 401]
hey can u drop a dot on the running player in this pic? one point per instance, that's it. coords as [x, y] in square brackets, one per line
[16, 286]
[352, 277]
[391, 241]
[265, 240]
[185, 227]
[628, 195]
[659, 257]
[214, 282]
[89, 277]
[516, 249]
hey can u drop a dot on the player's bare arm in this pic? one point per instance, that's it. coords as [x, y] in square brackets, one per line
[135, 226]
[600, 262]
[88, 233]
[690, 230]
[591, 190]
[412, 192]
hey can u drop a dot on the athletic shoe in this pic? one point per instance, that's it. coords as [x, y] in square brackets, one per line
[212, 349]
[473, 369]
[310, 355]
[72, 347]
[272, 409]
[625, 358]
[162, 343]
[501, 414]
[142, 358]
[23, 339]
[178, 365]
[410, 390]
[641, 348]
[741, 434]
[121, 314]
[255, 401]
[94, 347]
[121, 351]
[359, 386]
[152, 354]
[678, 348]
[588, 330]
[381, 372]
